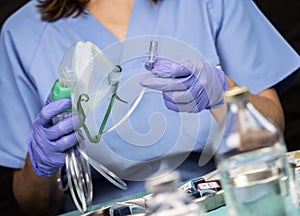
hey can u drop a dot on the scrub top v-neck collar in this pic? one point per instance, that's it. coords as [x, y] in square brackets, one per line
[143, 18]
[141, 23]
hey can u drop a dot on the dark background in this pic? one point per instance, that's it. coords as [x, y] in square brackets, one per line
[9, 6]
[285, 16]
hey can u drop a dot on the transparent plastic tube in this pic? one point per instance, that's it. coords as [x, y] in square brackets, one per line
[152, 53]
[77, 169]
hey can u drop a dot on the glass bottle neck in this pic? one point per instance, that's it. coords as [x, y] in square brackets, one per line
[238, 103]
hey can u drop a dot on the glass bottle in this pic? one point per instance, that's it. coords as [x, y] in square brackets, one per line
[251, 159]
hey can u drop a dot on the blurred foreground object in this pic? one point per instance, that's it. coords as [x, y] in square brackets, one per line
[166, 199]
[251, 158]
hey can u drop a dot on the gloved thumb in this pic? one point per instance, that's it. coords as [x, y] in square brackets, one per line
[53, 109]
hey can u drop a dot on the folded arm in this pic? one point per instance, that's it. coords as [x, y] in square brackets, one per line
[268, 103]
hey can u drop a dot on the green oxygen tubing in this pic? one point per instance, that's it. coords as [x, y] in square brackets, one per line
[85, 98]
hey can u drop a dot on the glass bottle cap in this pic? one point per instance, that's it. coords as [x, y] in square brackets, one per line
[235, 93]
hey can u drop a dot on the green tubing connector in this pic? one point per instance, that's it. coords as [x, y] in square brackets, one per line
[60, 92]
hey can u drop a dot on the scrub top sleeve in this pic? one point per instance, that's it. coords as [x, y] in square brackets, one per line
[19, 103]
[251, 51]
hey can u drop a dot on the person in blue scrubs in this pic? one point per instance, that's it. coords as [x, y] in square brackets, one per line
[231, 33]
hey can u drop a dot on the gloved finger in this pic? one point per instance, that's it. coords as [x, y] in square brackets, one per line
[222, 78]
[49, 99]
[164, 84]
[62, 127]
[53, 109]
[45, 170]
[182, 96]
[56, 160]
[46, 147]
[65, 142]
[44, 163]
[182, 107]
[171, 105]
[168, 69]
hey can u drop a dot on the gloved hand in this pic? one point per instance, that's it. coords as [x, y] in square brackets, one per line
[48, 142]
[187, 86]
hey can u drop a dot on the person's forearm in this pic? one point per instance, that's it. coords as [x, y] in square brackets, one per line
[269, 108]
[268, 103]
[36, 195]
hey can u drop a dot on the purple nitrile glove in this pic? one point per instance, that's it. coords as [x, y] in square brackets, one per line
[48, 142]
[187, 86]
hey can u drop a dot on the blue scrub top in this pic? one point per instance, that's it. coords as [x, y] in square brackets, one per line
[230, 33]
